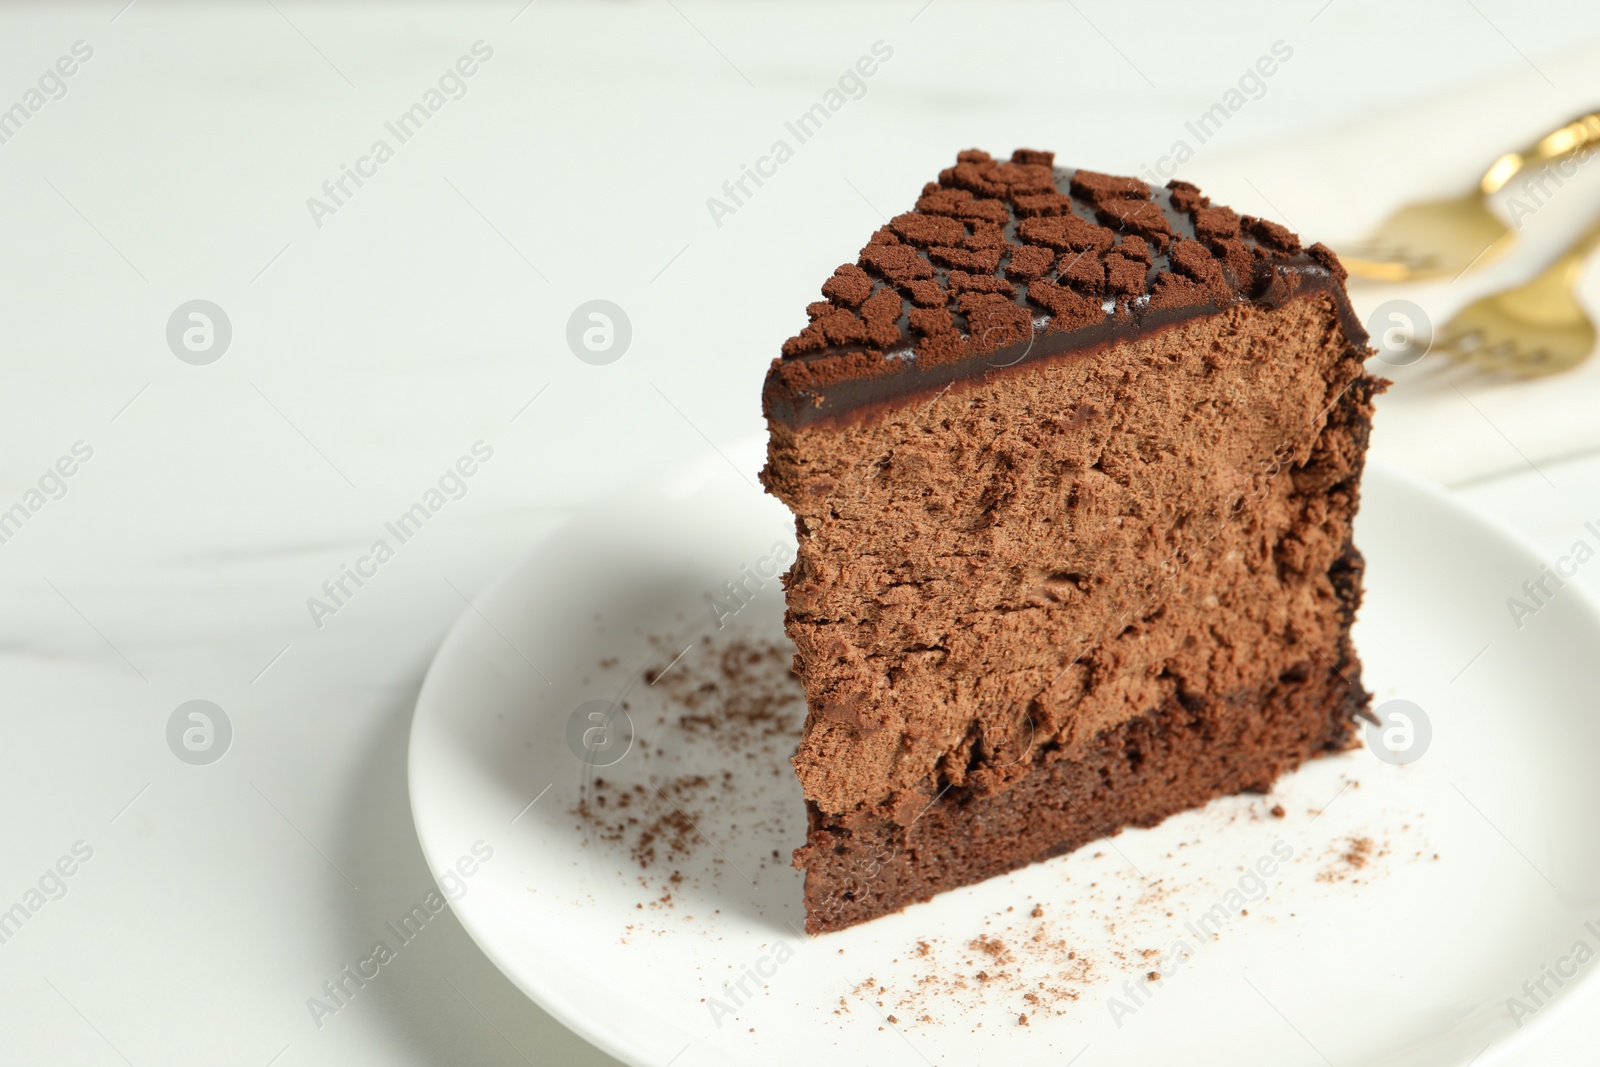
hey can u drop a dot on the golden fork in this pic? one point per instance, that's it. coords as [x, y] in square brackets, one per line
[1439, 237]
[1534, 329]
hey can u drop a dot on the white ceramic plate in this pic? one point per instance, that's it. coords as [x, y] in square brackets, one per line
[1416, 901]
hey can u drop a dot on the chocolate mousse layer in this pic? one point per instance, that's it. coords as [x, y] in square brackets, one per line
[1073, 464]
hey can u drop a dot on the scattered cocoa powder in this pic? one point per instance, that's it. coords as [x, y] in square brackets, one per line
[1349, 856]
[739, 697]
[708, 718]
[1026, 963]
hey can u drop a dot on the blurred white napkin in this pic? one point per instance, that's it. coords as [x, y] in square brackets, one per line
[1440, 419]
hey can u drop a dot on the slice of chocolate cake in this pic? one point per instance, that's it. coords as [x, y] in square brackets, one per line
[1073, 464]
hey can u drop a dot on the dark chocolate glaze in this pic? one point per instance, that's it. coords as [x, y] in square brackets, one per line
[858, 378]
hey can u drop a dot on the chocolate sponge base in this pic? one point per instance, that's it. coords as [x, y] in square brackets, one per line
[1176, 757]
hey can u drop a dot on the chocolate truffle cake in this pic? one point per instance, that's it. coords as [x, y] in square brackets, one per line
[1073, 464]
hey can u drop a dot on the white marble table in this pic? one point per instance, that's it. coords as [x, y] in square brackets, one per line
[377, 334]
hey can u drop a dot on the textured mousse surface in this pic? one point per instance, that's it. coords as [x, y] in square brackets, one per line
[1076, 571]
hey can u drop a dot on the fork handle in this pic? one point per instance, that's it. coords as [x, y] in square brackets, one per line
[1581, 133]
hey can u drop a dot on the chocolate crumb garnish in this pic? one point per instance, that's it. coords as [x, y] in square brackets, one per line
[1081, 258]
